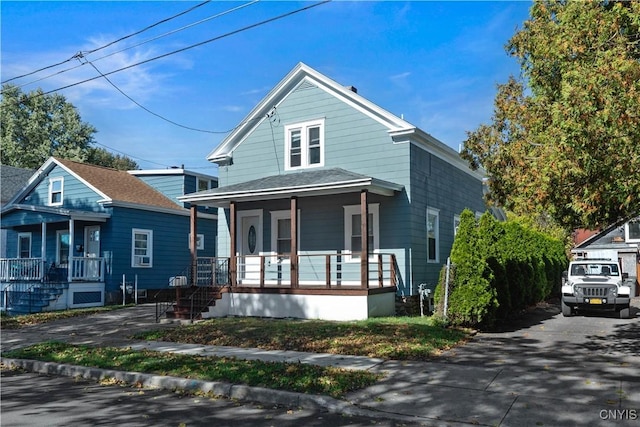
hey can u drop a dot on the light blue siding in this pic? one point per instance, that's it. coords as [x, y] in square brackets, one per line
[76, 194]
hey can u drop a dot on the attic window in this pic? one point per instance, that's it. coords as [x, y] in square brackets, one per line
[304, 145]
[55, 191]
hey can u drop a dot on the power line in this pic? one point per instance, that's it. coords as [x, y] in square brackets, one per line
[146, 109]
[111, 43]
[84, 53]
[248, 27]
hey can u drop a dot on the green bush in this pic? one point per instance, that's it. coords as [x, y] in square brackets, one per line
[500, 269]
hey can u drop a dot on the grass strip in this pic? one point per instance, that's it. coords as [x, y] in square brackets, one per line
[16, 322]
[296, 377]
[399, 338]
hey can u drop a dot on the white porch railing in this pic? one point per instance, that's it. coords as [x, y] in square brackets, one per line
[83, 269]
[24, 269]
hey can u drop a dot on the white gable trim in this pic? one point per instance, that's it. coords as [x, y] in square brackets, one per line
[300, 74]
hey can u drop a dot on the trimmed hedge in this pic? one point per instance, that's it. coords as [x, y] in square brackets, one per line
[500, 268]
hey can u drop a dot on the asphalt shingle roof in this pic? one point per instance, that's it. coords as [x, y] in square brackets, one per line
[12, 180]
[120, 186]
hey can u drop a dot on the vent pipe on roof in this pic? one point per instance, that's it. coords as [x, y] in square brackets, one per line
[353, 89]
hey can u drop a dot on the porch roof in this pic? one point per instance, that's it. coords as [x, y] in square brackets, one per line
[39, 214]
[319, 182]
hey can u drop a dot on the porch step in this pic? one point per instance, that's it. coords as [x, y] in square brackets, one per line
[183, 306]
[34, 299]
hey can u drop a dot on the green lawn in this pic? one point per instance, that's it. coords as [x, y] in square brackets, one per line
[295, 377]
[400, 338]
[15, 322]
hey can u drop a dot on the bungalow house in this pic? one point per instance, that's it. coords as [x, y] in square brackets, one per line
[314, 177]
[621, 242]
[80, 235]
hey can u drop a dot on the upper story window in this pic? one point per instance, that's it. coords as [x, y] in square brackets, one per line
[203, 184]
[304, 144]
[55, 191]
[141, 248]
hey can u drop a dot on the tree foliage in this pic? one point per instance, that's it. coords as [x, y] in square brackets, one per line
[35, 126]
[564, 139]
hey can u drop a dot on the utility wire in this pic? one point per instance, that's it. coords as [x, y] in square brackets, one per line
[145, 108]
[127, 48]
[248, 27]
[111, 43]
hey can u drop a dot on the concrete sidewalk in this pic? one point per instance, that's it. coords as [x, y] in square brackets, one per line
[430, 393]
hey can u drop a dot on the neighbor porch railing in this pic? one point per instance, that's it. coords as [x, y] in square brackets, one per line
[83, 269]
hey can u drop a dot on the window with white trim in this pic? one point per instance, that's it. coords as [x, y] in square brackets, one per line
[304, 145]
[199, 241]
[203, 184]
[141, 248]
[56, 186]
[281, 233]
[353, 231]
[433, 235]
[24, 245]
[63, 245]
[456, 224]
[632, 231]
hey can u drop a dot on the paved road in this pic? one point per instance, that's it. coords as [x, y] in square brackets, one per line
[32, 400]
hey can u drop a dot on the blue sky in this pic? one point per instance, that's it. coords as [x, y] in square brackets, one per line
[437, 63]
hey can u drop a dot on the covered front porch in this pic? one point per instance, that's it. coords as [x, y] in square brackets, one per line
[280, 266]
[53, 260]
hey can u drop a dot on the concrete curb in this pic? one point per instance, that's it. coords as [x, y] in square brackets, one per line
[218, 389]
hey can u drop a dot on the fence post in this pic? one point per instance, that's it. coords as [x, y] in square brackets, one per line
[124, 290]
[446, 287]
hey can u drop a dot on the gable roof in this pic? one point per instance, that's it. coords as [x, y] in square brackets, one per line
[306, 183]
[114, 186]
[399, 129]
[12, 180]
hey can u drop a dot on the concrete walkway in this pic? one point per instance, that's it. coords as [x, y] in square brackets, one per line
[511, 389]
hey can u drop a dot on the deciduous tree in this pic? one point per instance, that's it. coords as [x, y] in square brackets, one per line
[564, 139]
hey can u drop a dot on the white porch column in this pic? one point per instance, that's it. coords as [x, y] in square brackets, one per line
[71, 249]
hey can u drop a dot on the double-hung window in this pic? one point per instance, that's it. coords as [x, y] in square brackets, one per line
[632, 230]
[281, 233]
[433, 235]
[55, 191]
[304, 145]
[141, 248]
[353, 230]
[24, 245]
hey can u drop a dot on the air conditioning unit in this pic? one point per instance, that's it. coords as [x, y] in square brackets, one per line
[178, 281]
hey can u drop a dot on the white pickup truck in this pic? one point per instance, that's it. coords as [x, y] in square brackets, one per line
[595, 284]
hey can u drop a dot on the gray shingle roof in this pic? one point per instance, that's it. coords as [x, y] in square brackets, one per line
[12, 180]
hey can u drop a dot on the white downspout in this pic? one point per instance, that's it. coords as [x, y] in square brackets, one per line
[71, 249]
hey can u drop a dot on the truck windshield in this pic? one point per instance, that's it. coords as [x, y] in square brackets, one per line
[597, 269]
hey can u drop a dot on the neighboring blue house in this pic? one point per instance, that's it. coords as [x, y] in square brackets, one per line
[313, 168]
[77, 231]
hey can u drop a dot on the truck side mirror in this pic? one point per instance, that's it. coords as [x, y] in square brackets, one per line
[565, 274]
[625, 276]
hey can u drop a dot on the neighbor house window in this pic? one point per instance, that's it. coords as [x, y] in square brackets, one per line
[304, 144]
[24, 245]
[632, 230]
[433, 234]
[199, 241]
[55, 191]
[353, 230]
[142, 248]
[203, 184]
[63, 245]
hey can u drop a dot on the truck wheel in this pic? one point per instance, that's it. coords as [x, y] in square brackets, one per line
[625, 313]
[566, 310]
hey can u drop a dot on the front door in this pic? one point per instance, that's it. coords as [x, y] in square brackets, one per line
[92, 250]
[249, 248]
